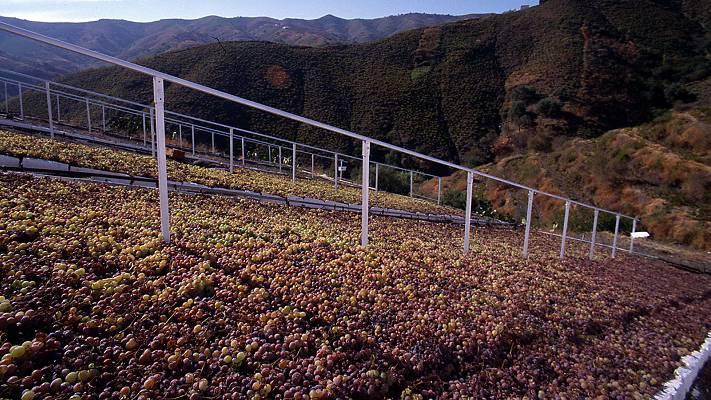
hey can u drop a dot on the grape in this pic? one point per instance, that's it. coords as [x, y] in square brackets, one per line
[260, 301]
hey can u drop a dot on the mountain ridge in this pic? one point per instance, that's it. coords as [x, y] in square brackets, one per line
[130, 40]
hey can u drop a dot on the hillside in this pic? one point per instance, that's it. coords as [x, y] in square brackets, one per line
[660, 171]
[129, 40]
[468, 91]
[510, 88]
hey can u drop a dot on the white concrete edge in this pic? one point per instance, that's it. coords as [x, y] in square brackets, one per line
[684, 376]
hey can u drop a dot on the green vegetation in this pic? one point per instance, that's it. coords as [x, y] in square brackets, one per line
[420, 72]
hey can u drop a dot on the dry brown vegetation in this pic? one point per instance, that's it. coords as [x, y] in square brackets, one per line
[659, 171]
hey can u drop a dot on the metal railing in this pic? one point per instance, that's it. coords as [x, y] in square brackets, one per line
[89, 99]
[160, 118]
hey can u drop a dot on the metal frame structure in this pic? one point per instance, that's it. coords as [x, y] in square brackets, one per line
[159, 78]
[109, 103]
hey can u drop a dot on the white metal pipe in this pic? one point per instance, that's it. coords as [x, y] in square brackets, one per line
[213, 142]
[103, 118]
[180, 136]
[293, 162]
[594, 235]
[634, 229]
[377, 173]
[439, 190]
[312, 165]
[244, 158]
[280, 159]
[617, 232]
[49, 110]
[88, 115]
[143, 119]
[192, 138]
[158, 95]
[365, 189]
[410, 183]
[231, 151]
[58, 115]
[153, 133]
[468, 212]
[565, 229]
[335, 170]
[529, 212]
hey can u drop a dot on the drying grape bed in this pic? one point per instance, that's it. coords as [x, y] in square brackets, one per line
[23, 145]
[259, 301]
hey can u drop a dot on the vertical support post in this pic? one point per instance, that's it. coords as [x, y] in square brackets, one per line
[244, 152]
[365, 189]
[468, 212]
[232, 167]
[410, 183]
[153, 133]
[159, 99]
[594, 234]
[634, 229]
[58, 114]
[293, 162]
[565, 229]
[269, 150]
[335, 170]
[88, 115]
[377, 177]
[22, 108]
[49, 109]
[103, 118]
[192, 138]
[312, 165]
[617, 232]
[529, 210]
[439, 190]
[145, 139]
[180, 135]
[7, 101]
[213, 142]
[280, 159]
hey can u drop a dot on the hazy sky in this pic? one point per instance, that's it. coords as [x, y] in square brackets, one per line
[151, 10]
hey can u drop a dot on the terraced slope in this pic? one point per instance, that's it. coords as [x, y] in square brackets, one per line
[22, 145]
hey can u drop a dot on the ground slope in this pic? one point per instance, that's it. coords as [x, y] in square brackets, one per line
[660, 172]
[468, 91]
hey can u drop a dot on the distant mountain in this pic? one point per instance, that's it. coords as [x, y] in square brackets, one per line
[129, 40]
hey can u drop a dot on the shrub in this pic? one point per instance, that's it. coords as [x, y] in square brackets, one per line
[525, 94]
[517, 111]
[420, 72]
[454, 198]
[549, 107]
[677, 93]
